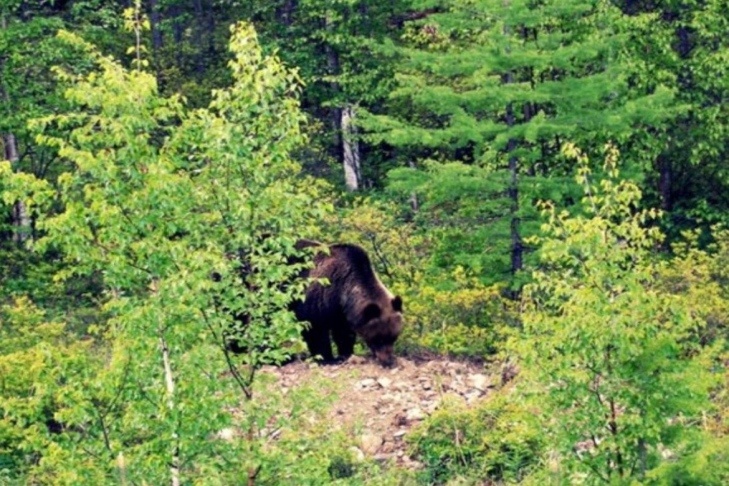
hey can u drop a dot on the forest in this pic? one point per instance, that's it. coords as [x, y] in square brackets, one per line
[542, 182]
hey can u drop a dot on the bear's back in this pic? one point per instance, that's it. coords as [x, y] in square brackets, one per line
[348, 269]
[355, 259]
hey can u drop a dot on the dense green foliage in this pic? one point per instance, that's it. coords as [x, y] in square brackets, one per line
[503, 85]
[543, 182]
[607, 351]
[157, 198]
[499, 439]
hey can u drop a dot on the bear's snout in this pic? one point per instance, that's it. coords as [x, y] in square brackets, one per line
[384, 355]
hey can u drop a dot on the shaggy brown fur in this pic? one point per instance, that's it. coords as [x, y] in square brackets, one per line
[354, 302]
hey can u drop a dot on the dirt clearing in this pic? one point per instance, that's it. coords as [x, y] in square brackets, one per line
[378, 406]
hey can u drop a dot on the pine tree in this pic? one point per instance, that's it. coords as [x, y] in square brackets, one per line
[504, 84]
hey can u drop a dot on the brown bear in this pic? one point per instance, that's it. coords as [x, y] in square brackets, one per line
[353, 302]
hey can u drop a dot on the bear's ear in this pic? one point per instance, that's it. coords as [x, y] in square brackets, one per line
[372, 311]
[397, 304]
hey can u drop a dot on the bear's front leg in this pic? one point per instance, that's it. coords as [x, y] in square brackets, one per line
[344, 338]
[318, 341]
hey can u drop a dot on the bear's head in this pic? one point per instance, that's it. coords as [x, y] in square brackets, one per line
[382, 326]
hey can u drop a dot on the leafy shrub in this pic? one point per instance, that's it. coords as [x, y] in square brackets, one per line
[499, 439]
[701, 461]
[41, 366]
[459, 317]
[613, 359]
[700, 277]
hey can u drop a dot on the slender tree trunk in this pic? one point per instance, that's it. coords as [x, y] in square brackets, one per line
[350, 150]
[155, 18]
[513, 191]
[170, 384]
[21, 221]
[286, 12]
[210, 22]
[414, 204]
[198, 33]
[122, 467]
[332, 68]
[517, 247]
[177, 30]
[20, 216]
[342, 122]
[642, 458]
[11, 148]
[252, 474]
[664, 182]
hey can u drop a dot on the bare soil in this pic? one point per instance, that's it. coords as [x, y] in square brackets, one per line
[379, 406]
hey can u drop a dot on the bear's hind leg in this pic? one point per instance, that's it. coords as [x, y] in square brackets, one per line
[344, 338]
[318, 341]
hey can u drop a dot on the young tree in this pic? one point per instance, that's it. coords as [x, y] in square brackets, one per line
[612, 357]
[159, 198]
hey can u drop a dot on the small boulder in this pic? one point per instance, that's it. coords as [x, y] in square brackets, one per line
[478, 381]
[384, 382]
[370, 443]
[357, 453]
[414, 414]
[356, 360]
[366, 383]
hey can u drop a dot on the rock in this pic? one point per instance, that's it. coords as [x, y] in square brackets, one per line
[226, 434]
[471, 397]
[509, 371]
[399, 433]
[384, 382]
[400, 420]
[356, 360]
[430, 407]
[454, 386]
[478, 381]
[388, 397]
[414, 414]
[413, 464]
[399, 385]
[370, 443]
[387, 447]
[366, 383]
[382, 458]
[357, 453]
